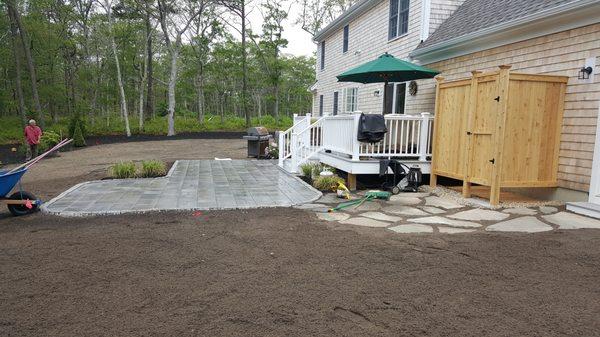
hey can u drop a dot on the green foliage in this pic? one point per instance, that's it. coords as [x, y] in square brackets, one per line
[153, 168]
[327, 183]
[76, 71]
[78, 139]
[48, 140]
[123, 170]
[77, 122]
[307, 169]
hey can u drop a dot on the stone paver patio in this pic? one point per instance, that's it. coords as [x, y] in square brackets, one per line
[424, 213]
[190, 184]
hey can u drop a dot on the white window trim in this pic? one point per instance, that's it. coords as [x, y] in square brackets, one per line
[345, 99]
[398, 36]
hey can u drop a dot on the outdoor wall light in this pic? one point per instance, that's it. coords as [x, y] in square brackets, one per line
[376, 93]
[584, 73]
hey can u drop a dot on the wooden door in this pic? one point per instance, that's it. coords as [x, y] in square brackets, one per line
[482, 123]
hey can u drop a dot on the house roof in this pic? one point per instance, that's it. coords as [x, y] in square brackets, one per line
[483, 24]
[475, 15]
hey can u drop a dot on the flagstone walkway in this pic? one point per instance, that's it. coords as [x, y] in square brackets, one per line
[411, 213]
[190, 184]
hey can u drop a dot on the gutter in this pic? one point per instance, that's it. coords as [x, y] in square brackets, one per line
[351, 13]
[458, 46]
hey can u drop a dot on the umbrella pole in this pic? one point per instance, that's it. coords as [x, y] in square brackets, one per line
[385, 84]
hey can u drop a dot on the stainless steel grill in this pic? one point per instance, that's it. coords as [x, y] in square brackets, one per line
[258, 140]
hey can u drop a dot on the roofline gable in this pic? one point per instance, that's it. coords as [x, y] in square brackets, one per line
[553, 20]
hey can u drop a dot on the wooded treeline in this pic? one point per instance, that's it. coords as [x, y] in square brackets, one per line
[143, 59]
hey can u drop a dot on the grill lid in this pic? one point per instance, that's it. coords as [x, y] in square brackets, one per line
[257, 131]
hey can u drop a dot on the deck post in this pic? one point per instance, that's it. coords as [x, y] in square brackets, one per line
[351, 182]
[496, 180]
[355, 143]
[281, 146]
[294, 151]
[424, 136]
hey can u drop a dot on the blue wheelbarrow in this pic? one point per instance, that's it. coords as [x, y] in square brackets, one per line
[20, 202]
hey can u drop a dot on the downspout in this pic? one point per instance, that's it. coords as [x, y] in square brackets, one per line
[425, 19]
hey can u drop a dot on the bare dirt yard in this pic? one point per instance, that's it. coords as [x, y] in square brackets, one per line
[278, 272]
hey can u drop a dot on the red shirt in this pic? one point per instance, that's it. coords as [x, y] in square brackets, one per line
[33, 134]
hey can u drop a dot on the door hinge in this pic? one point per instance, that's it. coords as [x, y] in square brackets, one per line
[493, 161]
[497, 99]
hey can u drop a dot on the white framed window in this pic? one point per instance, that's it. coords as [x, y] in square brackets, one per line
[398, 21]
[350, 99]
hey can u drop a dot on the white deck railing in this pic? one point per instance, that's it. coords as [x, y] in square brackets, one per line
[408, 136]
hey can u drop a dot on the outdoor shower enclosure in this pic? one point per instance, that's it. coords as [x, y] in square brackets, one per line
[498, 129]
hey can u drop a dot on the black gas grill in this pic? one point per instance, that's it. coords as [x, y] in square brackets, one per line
[258, 140]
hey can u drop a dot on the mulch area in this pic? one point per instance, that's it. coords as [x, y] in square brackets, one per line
[7, 156]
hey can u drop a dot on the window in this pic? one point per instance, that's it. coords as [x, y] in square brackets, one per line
[351, 99]
[335, 103]
[320, 105]
[398, 24]
[345, 46]
[322, 55]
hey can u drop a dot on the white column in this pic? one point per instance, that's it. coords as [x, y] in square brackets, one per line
[355, 142]
[294, 152]
[423, 136]
[281, 146]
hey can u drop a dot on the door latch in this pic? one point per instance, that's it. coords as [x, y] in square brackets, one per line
[497, 99]
[493, 161]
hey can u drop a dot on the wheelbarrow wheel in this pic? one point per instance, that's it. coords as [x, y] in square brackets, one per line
[18, 210]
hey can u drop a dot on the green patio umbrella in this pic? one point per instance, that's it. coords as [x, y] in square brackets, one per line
[386, 68]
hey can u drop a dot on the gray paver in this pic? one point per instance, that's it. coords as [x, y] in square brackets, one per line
[364, 207]
[404, 210]
[526, 224]
[381, 216]
[365, 222]
[452, 230]
[411, 229]
[548, 209]
[520, 211]
[478, 214]
[442, 202]
[333, 216]
[438, 220]
[432, 210]
[404, 200]
[566, 220]
[191, 184]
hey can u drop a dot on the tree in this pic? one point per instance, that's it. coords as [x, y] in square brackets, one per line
[316, 14]
[175, 17]
[12, 8]
[205, 29]
[272, 43]
[18, 85]
[107, 4]
[238, 7]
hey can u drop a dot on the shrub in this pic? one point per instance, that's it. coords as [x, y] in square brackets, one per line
[153, 168]
[48, 140]
[327, 183]
[78, 137]
[77, 122]
[123, 170]
[316, 170]
[307, 169]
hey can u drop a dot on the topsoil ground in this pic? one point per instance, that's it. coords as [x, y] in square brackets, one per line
[278, 272]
